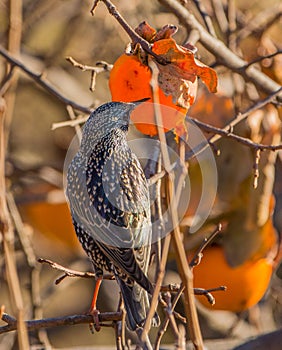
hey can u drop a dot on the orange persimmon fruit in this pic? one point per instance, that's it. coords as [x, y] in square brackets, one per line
[53, 220]
[246, 284]
[50, 218]
[130, 81]
[177, 80]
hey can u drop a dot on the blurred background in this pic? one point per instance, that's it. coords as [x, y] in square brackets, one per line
[245, 256]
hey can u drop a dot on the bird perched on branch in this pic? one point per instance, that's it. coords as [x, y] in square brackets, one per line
[109, 202]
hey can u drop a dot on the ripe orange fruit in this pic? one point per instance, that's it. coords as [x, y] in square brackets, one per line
[246, 284]
[51, 218]
[177, 80]
[130, 81]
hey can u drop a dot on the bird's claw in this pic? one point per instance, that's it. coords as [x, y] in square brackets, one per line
[96, 324]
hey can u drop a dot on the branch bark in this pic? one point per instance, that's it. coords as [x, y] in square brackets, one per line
[57, 321]
[6, 231]
[222, 53]
[43, 83]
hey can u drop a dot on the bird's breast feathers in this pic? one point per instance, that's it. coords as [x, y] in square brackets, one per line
[108, 193]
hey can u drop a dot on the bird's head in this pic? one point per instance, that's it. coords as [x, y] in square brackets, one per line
[113, 114]
[109, 116]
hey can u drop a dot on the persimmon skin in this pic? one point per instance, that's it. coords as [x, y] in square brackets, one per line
[49, 218]
[130, 81]
[246, 284]
[52, 220]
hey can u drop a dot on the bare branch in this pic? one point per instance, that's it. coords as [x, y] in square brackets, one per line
[261, 58]
[207, 293]
[184, 270]
[243, 140]
[72, 123]
[229, 127]
[220, 16]
[100, 67]
[42, 82]
[222, 53]
[172, 288]
[261, 21]
[59, 321]
[70, 272]
[7, 235]
[136, 38]
[73, 118]
[206, 18]
[12, 323]
[198, 256]
[256, 168]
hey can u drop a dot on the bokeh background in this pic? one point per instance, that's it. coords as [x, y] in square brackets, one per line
[50, 31]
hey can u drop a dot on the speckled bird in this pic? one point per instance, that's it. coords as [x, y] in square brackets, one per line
[109, 202]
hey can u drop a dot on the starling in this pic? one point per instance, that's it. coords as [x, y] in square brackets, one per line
[109, 202]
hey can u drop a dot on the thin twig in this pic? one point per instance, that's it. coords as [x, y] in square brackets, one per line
[256, 168]
[59, 321]
[228, 128]
[137, 39]
[170, 315]
[70, 272]
[220, 16]
[183, 166]
[7, 233]
[6, 81]
[119, 326]
[164, 326]
[184, 270]
[34, 267]
[260, 22]
[206, 18]
[76, 126]
[261, 58]
[14, 46]
[222, 53]
[100, 67]
[207, 293]
[155, 297]
[243, 140]
[165, 323]
[22, 233]
[231, 11]
[43, 82]
[172, 288]
[198, 255]
[72, 123]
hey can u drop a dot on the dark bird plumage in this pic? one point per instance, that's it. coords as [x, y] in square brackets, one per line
[109, 201]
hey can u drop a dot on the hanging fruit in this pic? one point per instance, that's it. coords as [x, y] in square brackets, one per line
[177, 79]
[246, 284]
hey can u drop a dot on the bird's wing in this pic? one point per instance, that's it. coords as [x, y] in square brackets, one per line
[130, 264]
[112, 204]
[121, 225]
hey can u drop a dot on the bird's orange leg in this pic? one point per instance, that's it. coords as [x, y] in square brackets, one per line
[93, 309]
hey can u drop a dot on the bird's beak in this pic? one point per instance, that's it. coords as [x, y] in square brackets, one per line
[132, 105]
[138, 102]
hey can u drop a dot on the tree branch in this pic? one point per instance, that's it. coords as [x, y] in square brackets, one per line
[136, 38]
[222, 53]
[243, 140]
[12, 323]
[228, 128]
[58, 321]
[100, 67]
[172, 288]
[42, 82]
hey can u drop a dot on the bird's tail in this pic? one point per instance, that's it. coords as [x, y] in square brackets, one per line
[136, 301]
